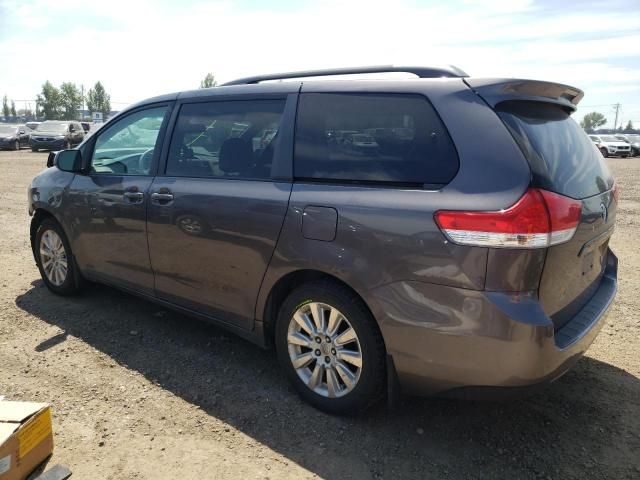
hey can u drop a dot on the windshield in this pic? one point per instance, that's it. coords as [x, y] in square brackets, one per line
[5, 129]
[633, 138]
[55, 127]
[610, 138]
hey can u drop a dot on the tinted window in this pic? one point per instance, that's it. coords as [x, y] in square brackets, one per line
[562, 157]
[228, 139]
[127, 146]
[363, 138]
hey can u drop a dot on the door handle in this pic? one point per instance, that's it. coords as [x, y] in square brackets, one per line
[134, 197]
[161, 198]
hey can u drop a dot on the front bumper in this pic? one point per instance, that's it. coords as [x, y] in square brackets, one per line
[446, 339]
[55, 144]
[7, 143]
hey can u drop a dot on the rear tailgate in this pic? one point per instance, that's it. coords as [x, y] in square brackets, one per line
[565, 161]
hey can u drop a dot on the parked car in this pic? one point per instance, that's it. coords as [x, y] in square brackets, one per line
[361, 143]
[634, 142]
[56, 135]
[610, 145]
[14, 136]
[451, 265]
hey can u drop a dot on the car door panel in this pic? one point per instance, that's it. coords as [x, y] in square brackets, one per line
[211, 244]
[110, 228]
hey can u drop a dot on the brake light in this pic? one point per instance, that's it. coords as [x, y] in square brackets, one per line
[539, 219]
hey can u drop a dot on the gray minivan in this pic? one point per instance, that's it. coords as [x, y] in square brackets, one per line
[461, 250]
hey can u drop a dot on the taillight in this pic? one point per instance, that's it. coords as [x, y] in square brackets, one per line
[539, 219]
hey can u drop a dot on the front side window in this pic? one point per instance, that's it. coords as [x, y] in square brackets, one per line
[226, 139]
[127, 146]
[372, 138]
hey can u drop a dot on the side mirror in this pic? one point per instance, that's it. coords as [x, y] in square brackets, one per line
[66, 160]
[22, 132]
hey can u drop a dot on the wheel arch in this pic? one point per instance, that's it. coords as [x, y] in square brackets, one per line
[39, 215]
[285, 284]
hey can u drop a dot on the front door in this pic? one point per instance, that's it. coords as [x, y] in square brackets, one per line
[214, 217]
[110, 203]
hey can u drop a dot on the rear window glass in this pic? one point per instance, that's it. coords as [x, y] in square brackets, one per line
[372, 138]
[562, 157]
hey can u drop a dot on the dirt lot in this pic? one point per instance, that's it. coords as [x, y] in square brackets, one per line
[140, 392]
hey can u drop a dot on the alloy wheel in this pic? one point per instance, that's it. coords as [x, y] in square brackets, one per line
[324, 349]
[53, 257]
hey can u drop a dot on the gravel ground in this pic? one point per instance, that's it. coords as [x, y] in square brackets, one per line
[141, 392]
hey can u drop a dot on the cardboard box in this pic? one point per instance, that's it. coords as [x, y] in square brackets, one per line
[26, 438]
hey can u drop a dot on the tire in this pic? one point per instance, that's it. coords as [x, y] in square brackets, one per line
[605, 152]
[624, 156]
[34, 149]
[367, 381]
[72, 281]
[16, 146]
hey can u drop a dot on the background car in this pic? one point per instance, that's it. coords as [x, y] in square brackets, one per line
[56, 135]
[14, 136]
[610, 145]
[634, 142]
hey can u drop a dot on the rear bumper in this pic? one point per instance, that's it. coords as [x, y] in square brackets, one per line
[451, 340]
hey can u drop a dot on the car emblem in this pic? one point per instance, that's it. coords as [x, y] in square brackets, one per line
[603, 211]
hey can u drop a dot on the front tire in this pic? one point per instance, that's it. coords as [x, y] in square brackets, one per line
[55, 260]
[16, 146]
[331, 348]
[605, 152]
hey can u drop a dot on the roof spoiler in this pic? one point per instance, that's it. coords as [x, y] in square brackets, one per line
[421, 72]
[498, 90]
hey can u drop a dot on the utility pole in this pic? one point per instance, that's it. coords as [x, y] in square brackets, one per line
[615, 122]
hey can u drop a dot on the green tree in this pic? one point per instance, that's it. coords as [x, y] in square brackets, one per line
[593, 120]
[13, 109]
[70, 100]
[5, 107]
[98, 100]
[49, 102]
[209, 81]
[629, 127]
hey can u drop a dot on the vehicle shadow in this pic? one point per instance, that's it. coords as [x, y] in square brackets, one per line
[584, 425]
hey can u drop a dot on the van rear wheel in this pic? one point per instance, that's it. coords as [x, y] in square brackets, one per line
[331, 348]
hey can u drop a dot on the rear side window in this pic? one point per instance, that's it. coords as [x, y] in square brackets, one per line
[562, 157]
[226, 139]
[372, 138]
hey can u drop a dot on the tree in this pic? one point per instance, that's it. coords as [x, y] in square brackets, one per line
[70, 100]
[98, 100]
[13, 109]
[593, 120]
[5, 107]
[629, 127]
[209, 81]
[49, 102]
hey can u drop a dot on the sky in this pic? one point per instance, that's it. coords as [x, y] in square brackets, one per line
[143, 48]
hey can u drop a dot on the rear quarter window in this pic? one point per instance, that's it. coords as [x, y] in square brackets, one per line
[563, 159]
[392, 139]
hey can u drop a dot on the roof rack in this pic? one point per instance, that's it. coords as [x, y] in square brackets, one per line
[421, 72]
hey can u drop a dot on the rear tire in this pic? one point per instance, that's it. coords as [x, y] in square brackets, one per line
[55, 260]
[331, 380]
[605, 152]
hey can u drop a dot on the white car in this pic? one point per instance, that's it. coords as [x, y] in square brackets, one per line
[610, 145]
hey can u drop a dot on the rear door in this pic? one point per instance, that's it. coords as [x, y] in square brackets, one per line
[564, 160]
[215, 215]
